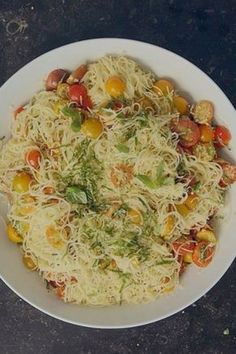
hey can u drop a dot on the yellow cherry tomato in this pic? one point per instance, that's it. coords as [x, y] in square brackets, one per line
[192, 201]
[163, 87]
[206, 235]
[188, 257]
[21, 182]
[92, 128]
[169, 226]
[54, 237]
[29, 263]
[13, 234]
[182, 209]
[135, 216]
[114, 86]
[181, 104]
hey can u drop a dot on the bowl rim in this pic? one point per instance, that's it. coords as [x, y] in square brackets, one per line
[227, 263]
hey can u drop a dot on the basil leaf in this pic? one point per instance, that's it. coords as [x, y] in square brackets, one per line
[75, 194]
[122, 148]
[147, 181]
[75, 115]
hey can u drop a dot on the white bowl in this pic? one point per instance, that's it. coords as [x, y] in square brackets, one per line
[195, 282]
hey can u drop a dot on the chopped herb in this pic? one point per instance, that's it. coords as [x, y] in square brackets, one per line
[75, 115]
[158, 181]
[76, 194]
[122, 148]
[164, 262]
[2, 138]
[196, 186]
[147, 181]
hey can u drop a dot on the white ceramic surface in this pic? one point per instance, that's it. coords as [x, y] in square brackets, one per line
[196, 282]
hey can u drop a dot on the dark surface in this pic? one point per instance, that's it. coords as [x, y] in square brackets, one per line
[203, 32]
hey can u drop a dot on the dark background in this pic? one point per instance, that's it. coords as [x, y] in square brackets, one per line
[203, 32]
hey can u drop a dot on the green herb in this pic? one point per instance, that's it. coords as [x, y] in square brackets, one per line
[2, 138]
[196, 186]
[122, 148]
[154, 183]
[147, 181]
[159, 176]
[75, 115]
[164, 262]
[76, 194]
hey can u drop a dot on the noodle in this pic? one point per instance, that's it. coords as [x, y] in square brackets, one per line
[94, 252]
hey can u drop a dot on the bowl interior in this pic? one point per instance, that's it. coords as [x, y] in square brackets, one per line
[188, 78]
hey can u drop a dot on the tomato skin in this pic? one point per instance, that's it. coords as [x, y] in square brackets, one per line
[78, 93]
[33, 158]
[183, 246]
[18, 110]
[189, 133]
[222, 136]
[203, 254]
[77, 74]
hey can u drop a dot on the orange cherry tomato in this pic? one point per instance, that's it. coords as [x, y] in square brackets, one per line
[206, 133]
[77, 74]
[18, 110]
[114, 86]
[189, 133]
[181, 104]
[33, 158]
[222, 136]
[183, 246]
[203, 254]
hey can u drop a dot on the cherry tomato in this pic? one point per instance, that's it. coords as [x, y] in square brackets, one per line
[189, 133]
[77, 74]
[206, 133]
[33, 158]
[229, 172]
[54, 78]
[222, 136]
[114, 86]
[163, 87]
[18, 110]
[183, 246]
[203, 254]
[181, 104]
[21, 182]
[79, 94]
[92, 128]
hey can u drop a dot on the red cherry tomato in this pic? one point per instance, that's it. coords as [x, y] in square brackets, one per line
[33, 158]
[203, 254]
[189, 133]
[183, 246]
[222, 136]
[78, 93]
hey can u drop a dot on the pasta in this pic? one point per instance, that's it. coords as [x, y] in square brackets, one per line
[107, 201]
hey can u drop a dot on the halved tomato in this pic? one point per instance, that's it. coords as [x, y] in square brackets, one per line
[188, 131]
[203, 254]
